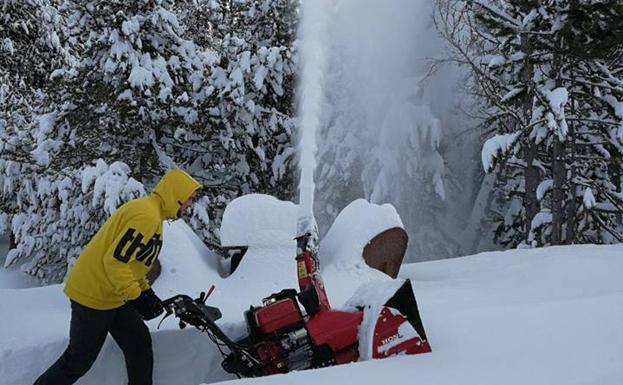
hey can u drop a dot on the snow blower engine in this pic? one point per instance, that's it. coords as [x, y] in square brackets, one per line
[299, 330]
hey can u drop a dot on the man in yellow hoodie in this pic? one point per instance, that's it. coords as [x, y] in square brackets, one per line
[108, 288]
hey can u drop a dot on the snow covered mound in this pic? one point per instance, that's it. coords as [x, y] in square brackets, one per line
[353, 228]
[341, 250]
[258, 220]
[267, 226]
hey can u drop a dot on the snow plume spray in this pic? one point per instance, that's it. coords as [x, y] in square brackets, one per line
[312, 40]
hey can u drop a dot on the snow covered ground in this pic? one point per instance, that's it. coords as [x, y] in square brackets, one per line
[544, 316]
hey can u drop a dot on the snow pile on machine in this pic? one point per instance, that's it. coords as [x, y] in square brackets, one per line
[294, 330]
[258, 220]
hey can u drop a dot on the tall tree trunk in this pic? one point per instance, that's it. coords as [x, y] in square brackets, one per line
[615, 171]
[12, 240]
[531, 174]
[558, 171]
[572, 207]
[532, 177]
[558, 161]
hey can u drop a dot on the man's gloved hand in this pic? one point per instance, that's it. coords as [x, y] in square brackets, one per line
[148, 305]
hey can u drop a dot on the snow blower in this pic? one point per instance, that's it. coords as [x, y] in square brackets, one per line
[298, 330]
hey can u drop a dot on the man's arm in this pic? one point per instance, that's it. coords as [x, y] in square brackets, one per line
[124, 249]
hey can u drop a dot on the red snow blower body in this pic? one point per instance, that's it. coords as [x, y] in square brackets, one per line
[299, 330]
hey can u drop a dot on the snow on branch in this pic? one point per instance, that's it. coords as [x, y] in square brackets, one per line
[112, 184]
[163, 157]
[540, 222]
[494, 11]
[556, 119]
[589, 199]
[608, 74]
[543, 188]
[495, 148]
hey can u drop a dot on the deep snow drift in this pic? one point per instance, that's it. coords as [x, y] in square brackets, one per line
[545, 316]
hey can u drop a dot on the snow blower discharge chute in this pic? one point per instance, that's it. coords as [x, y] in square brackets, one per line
[299, 330]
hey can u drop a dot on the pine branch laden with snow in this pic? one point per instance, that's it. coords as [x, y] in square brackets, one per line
[135, 74]
[29, 49]
[557, 99]
[540, 228]
[588, 198]
[497, 148]
[58, 213]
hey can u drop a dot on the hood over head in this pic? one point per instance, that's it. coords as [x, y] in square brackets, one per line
[175, 187]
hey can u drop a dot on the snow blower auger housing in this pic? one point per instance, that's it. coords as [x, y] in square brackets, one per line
[298, 330]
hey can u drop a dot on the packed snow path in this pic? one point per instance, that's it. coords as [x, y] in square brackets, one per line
[544, 316]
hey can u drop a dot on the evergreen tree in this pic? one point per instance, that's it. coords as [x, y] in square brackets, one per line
[136, 95]
[30, 48]
[381, 141]
[136, 79]
[244, 141]
[406, 166]
[545, 109]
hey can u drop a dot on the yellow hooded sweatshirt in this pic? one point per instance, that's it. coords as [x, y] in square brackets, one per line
[113, 266]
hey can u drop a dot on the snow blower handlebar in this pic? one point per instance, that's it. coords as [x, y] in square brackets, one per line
[195, 312]
[191, 311]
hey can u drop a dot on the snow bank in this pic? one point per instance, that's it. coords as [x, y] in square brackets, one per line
[540, 317]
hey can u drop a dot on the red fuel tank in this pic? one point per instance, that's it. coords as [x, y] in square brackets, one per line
[277, 315]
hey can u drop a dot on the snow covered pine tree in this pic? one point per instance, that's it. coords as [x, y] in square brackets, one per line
[243, 140]
[138, 95]
[553, 125]
[379, 138]
[30, 48]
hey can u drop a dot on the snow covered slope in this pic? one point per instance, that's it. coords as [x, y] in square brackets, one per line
[545, 316]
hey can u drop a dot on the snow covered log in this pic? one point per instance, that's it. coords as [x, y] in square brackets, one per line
[386, 251]
[366, 232]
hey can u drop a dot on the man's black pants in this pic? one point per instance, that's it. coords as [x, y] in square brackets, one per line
[87, 334]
